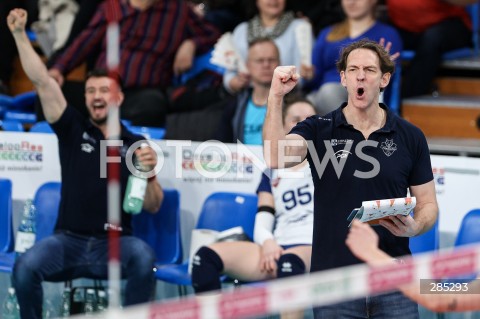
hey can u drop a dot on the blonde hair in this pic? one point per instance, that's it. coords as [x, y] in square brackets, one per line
[339, 31]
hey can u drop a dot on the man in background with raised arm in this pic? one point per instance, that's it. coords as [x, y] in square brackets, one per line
[79, 247]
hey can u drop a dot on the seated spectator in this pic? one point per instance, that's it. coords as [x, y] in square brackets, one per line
[271, 22]
[282, 232]
[359, 23]
[55, 19]
[363, 243]
[79, 246]
[86, 10]
[430, 28]
[154, 46]
[244, 115]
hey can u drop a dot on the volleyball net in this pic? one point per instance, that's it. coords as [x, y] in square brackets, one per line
[315, 289]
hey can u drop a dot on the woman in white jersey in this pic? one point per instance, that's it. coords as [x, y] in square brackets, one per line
[283, 226]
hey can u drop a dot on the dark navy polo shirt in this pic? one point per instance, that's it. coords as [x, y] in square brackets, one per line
[83, 204]
[403, 159]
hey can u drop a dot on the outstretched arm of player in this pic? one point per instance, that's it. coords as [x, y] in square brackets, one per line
[363, 242]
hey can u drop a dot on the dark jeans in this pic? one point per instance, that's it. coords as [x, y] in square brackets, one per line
[65, 256]
[392, 306]
[429, 47]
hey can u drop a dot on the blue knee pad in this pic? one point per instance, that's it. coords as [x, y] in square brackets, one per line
[206, 269]
[290, 265]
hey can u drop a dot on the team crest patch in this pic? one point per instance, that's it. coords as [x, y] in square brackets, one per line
[388, 147]
[87, 148]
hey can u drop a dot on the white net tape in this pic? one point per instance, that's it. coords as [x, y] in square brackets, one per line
[316, 289]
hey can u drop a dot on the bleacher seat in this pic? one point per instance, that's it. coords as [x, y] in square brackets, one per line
[46, 201]
[11, 126]
[460, 53]
[162, 229]
[200, 63]
[469, 231]
[7, 256]
[154, 133]
[428, 241]
[19, 107]
[6, 233]
[220, 211]
[24, 117]
[41, 127]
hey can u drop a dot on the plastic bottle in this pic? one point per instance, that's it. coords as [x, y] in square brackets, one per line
[89, 306]
[10, 308]
[27, 230]
[65, 306]
[48, 309]
[136, 188]
[102, 303]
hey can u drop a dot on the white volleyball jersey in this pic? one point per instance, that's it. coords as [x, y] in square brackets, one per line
[293, 205]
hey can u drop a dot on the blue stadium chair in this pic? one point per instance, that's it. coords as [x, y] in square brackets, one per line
[6, 233]
[46, 201]
[393, 91]
[5, 104]
[127, 123]
[41, 127]
[32, 36]
[12, 126]
[220, 211]
[19, 108]
[469, 232]
[162, 230]
[6, 100]
[428, 241]
[154, 133]
[474, 12]
[3, 109]
[200, 63]
[24, 101]
[23, 117]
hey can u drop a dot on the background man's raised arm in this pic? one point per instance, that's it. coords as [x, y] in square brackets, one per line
[51, 96]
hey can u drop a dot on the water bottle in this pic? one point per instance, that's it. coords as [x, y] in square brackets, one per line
[26, 231]
[65, 307]
[102, 303]
[48, 309]
[136, 188]
[89, 306]
[10, 308]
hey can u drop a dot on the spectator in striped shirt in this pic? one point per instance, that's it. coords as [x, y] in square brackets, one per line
[158, 39]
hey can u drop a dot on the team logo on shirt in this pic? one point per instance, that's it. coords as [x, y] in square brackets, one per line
[388, 147]
[87, 148]
[336, 142]
[342, 154]
[324, 118]
[87, 137]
